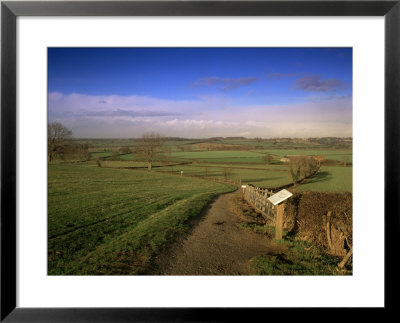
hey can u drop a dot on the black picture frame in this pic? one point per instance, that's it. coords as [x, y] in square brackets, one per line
[10, 10]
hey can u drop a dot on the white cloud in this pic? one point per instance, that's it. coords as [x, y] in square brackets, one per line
[130, 116]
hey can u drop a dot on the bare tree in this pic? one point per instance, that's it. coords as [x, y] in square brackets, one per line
[268, 158]
[205, 171]
[227, 171]
[57, 138]
[114, 155]
[150, 148]
[309, 166]
[319, 159]
[295, 169]
[301, 167]
[345, 160]
[125, 150]
[98, 162]
[166, 155]
[83, 152]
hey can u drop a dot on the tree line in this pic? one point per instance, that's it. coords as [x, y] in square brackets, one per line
[149, 148]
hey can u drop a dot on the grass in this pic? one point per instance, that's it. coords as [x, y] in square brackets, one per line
[219, 156]
[122, 163]
[330, 179]
[257, 228]
[333, 154]
[302, 258]
[100, 154]
[271, 176]
[113, 221]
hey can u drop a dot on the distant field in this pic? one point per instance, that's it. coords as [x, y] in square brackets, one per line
[240, 157]
[100, 154]
[202, 156]
[126, 157]
[264, 143]
[272, 176]
[333, 154]
[249, 167]
[329, 178]
[220, 156]
[112, 221]
[216, 154]
[121, 163]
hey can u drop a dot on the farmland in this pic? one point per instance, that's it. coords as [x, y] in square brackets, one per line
[95, 211]
[240, 160]
[113, 216]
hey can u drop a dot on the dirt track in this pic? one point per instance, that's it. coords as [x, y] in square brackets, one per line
[216, 245]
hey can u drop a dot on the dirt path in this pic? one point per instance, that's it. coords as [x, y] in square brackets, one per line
[216, 246]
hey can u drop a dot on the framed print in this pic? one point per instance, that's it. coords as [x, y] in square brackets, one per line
[197, 151]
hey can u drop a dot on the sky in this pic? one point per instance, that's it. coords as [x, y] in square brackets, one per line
[201, 92]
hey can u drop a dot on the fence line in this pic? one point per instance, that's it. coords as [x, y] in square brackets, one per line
[208, 178]
[258, 198]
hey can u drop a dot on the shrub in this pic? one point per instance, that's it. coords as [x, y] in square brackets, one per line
[125, 150]
[83, 154]
[114, 155]
[97, 160]
[307, 216]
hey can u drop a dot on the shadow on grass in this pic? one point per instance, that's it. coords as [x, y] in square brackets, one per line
[319, 177]
[256, 180]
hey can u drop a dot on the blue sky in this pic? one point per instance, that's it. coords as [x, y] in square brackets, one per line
[201, 92]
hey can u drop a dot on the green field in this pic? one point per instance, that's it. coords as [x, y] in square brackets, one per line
[262, 176]
[100, 154]
[330, 179]
[246, 166]
[113, 221]
[328, 154]
[216, 154]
